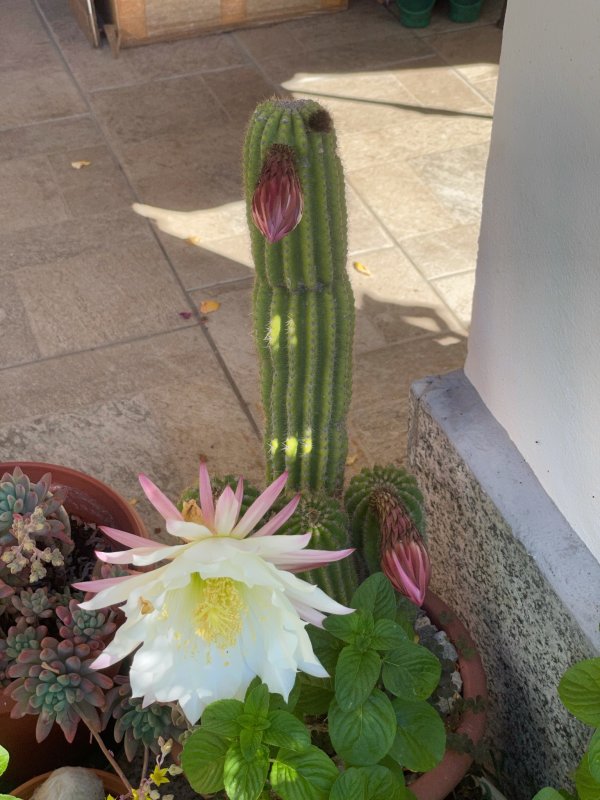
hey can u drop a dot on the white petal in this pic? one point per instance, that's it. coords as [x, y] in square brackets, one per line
[260, 506]
[226, 512]
[190, 531]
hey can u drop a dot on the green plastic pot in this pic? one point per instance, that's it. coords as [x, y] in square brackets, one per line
[465, 10]
[415, 13]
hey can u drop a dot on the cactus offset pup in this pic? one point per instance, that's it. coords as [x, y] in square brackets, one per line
[303, 302]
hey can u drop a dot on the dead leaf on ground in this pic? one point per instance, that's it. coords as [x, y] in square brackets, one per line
[133, 501]
[192, 240]
[80, 164]
[208, 306]
[351, 459]
[360, 267]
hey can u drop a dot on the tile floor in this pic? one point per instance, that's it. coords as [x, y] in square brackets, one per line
[98, 370]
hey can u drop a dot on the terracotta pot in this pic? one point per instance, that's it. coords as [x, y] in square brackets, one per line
[439, 782]
[92, 501]
[111, 784]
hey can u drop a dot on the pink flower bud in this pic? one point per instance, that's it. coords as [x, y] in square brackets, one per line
[404, 557]
[277, 203]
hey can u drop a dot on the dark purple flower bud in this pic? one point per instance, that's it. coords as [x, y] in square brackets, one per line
[277, 202]
[404, 557]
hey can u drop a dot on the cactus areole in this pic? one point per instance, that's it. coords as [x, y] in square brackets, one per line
[303, 302]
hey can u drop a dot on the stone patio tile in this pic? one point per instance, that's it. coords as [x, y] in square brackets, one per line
[386, 186]
[15, 330]
[36, 94]
[98, 69]
[49, 137]
[359, 56]
[435, 85]
[44, 245]
[457, 291]
[204, 193]
[131, 407]
[456, 178]
[379, 408]
[210, 262]
[239, 91]
[29, 194]
[23, 40]
[274, 40]
[473, 51]
[133, 114]
[444, 252]
[97, 188]
[395, 303]
[487, 88]
[106, 295]
[364, 231]
[415, 133]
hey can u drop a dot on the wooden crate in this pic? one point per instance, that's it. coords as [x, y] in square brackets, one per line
[143, 21]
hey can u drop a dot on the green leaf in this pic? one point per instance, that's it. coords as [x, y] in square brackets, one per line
[548, 794]
[4, 759]
[382, 784]
[349, 626]
[411, 671]
[326, 646]
[244, 778]
[317, 694]
[364, 735]
[376, 596]
[303, 776]
[221, 717]
[203, 760]
[594, 756]
[420, 739]
[285, 730]
[350, 785]
[579, 689]
[256, 703]
[387, 635]
[355, 676]
[8, 797]
[250, 741]
[588, 788]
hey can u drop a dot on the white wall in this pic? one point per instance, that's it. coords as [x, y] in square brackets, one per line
[534, 348]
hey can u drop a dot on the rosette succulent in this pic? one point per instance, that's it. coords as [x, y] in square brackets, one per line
[18, 495]
[85, 627]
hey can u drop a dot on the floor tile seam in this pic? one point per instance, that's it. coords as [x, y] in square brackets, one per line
[410, 340]
[175, 275]
[410, 160]
[8, 128]
[397, 242]
[243, 283]
[277, 87]
[164, 78]
[444, 275]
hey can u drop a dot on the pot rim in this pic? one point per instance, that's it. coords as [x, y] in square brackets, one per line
[110, 781]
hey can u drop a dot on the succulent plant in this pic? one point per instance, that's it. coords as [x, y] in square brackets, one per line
[303, 303]
[18, 495]
[36, 604]
[58, 684]
[134, 724]
[85, 627]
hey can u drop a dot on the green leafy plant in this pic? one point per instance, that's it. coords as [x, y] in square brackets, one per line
[4, 759]
[348, 736]
[579, 690]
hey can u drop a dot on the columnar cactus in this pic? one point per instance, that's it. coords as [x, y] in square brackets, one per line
[303, 303]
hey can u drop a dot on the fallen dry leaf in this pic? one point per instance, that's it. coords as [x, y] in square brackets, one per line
[359, 267]
[192, 239]
[208, 306]
[133, 501]
[351, 459]
[80, 164]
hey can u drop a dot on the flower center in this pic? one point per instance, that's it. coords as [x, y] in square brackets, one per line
[218, 615]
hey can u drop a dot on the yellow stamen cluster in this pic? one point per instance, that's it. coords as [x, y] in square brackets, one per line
[192, 512]
[218, 615]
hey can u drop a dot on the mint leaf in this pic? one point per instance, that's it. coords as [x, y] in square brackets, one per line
[256, 703]
[381, 784]
[244, 778]
[303, 776]
[221, 717]
[351, 785]
[250, 741]
[285, 730]
[355, 676]
[4, 759]
[349, 626]
[420, 739]
[376, 596]
[203, 759]
[588, 788]
[548, 794]
[326, 646]
[364, 735]
[579, 689]
[387, 635]
[411, 671]
[594, 756]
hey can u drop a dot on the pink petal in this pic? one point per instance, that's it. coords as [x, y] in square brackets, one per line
[309, 559]
[279, 519]
[260, 506]
[128, 539]
[160, 502]
[104, 660]
[226, 512]
[100, 584]
[206, 497]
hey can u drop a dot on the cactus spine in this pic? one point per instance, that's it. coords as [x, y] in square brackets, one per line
[303, 302]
